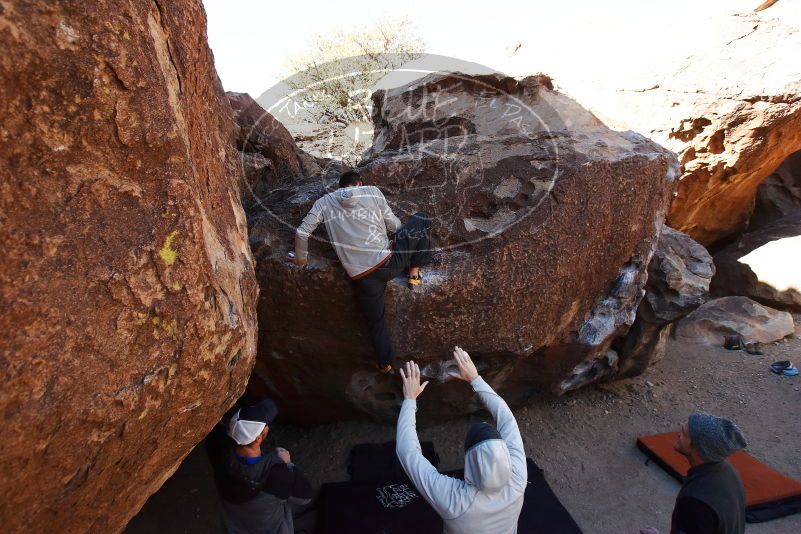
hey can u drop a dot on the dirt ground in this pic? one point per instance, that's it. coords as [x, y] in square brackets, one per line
[584, 442]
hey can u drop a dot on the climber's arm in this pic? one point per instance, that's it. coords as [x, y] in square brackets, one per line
[310, 222]
[448, 496]
[504, 418]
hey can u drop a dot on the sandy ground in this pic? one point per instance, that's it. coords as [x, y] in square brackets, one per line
[584, 442]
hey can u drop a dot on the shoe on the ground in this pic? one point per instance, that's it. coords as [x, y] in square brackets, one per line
[733, 342]
[784, 367]
[753, 348]
[779, 367]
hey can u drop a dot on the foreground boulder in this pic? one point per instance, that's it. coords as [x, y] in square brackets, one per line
[128, 292]
[545, 219]
[679, 276]
[764, 264]
[729, 316]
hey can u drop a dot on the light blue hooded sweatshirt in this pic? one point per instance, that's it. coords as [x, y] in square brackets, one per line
[490, 497]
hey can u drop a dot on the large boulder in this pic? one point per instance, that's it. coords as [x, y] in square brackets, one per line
[128, 292]
[679, 276]
[728, 316]
[545, 220]
[731, 111]
[763, 264]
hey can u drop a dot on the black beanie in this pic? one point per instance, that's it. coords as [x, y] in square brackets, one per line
[480, 432]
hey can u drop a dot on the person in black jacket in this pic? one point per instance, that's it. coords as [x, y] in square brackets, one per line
[712, 498]
[256, 487]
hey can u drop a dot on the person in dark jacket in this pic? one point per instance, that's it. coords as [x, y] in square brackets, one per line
[712, 498]
[256, 487]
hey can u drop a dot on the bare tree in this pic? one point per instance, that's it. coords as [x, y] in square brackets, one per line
[338, 70]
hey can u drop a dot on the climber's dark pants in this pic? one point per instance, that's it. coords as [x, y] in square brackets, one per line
[411, 248]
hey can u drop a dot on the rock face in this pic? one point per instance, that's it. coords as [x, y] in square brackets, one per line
[727, 316]
[127, 300]
[763, 264]
[678, 282]
[545, 220]
[267, 151]
[732, 113]
[779, 194]
[268, 156]
[678, 276]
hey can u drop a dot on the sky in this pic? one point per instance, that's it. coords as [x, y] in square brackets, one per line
[571, 40]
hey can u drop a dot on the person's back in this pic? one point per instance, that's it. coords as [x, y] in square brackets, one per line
[244, 488]
[356, 219]
[490, 497]
[493, 502]
[712, 490]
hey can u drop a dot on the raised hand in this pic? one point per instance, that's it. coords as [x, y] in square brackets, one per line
[284, 455]
[411, 381]
[467, 369]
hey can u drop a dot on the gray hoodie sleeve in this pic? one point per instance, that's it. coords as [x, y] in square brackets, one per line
[392, 222]
[507, 428]
[450, 497]
[310, 222]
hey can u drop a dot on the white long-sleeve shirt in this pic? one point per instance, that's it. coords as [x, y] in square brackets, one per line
[490, 497]
[356, 219]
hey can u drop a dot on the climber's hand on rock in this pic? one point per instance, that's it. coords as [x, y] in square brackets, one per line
[467, 369]
[283, 454]
[411, 381]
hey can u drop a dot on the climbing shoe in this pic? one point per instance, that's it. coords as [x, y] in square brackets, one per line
[753, 348]
[415, 281]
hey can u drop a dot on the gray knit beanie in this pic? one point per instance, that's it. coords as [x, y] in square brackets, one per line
[713, 437]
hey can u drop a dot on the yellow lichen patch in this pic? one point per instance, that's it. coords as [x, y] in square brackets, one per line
[167, 253]
[169, 326]
[177, 286]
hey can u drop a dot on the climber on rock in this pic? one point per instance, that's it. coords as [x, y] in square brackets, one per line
[490, 497]
[357, 218]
